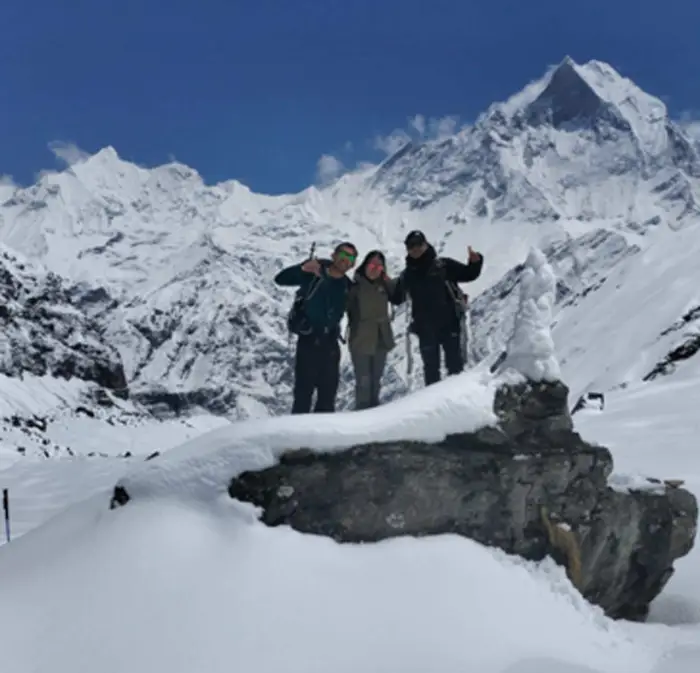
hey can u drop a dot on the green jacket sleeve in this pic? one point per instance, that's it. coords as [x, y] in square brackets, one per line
[292, 276]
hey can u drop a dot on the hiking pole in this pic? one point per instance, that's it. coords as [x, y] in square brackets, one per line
[6, 508]
[312, 255]
[409, 354]
[467, 327]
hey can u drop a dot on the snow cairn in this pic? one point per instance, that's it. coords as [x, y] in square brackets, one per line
[530, 350]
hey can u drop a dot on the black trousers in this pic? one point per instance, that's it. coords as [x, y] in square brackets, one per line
[316, 369]
[431, 342]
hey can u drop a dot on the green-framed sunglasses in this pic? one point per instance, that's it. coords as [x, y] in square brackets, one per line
[344, 254]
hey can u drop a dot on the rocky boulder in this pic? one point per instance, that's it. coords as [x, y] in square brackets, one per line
[529, 485]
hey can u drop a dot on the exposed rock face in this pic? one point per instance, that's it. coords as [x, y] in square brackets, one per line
[45, 333]
[689, 344]
[532, 487]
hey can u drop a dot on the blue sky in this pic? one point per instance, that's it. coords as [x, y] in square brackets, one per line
[260, 90]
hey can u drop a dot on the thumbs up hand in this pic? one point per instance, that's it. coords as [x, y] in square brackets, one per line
[473, 256]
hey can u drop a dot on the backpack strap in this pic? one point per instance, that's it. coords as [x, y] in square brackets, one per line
[453, 288]
[313, 286]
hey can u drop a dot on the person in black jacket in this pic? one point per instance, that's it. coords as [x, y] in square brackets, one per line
[430, 282]
[325, 287]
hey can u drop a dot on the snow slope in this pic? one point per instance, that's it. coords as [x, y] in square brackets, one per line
[186, 268]
[193, 590]
[185, 579]
[623, 314]
[199, 584]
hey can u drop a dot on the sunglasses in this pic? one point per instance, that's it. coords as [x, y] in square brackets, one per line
[344, 254]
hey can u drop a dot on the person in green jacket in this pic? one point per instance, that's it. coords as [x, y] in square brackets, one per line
[370, 334]
[324, 288]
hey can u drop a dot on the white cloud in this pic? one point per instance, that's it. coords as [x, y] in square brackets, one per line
[443, 127]
[393, 142]
[689, 121]
[67, 152]
[7, 181]
[43, 173]
[364, 165]
[329, 168]
[418, 123]
[418, 128]
[692, 128]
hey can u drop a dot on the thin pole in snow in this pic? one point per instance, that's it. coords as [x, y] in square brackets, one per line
[6, 508]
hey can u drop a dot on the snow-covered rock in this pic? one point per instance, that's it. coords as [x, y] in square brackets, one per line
[503, 457]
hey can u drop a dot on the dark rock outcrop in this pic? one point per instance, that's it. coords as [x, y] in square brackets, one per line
[687, 348]
[45, 333]
[531, 486]
[590, 400]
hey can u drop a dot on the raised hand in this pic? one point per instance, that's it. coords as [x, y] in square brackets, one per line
[312, 266]
[473, 256]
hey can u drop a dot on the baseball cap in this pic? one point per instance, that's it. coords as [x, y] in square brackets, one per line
[415, 238]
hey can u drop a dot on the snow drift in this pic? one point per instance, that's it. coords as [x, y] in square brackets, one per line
[163, 586]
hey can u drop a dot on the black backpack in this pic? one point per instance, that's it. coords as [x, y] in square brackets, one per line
[297, 320]
[455, 291]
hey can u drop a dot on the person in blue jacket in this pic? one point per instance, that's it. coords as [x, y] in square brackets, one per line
[323, 290]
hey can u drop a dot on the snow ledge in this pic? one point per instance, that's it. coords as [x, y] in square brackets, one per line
[203, 467]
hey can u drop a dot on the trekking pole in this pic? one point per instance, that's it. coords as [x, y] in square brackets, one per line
[468, 350]
[409, 355]
[6, 508]
[312, 255]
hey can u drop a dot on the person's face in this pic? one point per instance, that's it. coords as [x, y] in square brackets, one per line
[374, 268]
[415, 251]
[344, 259]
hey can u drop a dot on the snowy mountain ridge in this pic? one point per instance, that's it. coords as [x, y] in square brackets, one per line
[581, 163]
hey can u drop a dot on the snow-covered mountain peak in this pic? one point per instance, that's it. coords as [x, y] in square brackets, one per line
[567, 98]
[573, 90]
[107, 156]
[580, 161]
[582, 142]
